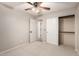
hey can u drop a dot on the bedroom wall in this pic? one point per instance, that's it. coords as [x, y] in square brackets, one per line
[52, 30]
[13, 27]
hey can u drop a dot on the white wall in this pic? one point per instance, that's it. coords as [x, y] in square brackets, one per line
[13, 27]
[65, 12]
[52, 30]
[52, 25]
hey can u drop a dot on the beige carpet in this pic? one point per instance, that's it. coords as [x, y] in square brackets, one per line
[41, 49]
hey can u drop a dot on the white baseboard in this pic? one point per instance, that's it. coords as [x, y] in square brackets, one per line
[10, 49]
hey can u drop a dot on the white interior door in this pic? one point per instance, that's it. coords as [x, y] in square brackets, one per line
[32, 30]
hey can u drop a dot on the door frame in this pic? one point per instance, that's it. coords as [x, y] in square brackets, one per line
[29, 31]
[39, 38]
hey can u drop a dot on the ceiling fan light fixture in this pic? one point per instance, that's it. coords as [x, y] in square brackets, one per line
[36, 10]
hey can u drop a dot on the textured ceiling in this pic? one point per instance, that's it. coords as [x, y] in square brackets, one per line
[55, 6]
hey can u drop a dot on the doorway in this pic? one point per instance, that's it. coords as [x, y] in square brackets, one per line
[37, 30]
[41, 25]
[67, 31]
[32, 30]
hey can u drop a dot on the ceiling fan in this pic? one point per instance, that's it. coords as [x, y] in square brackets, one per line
[37, 5]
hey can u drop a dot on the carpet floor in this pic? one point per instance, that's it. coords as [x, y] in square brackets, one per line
[41, 49]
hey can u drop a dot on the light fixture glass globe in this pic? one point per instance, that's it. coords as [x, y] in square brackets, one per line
[36, 10]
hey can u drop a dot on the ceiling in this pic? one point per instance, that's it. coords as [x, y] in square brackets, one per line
[55, 6]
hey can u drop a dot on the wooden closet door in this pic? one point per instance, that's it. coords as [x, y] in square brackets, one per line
[67, 32]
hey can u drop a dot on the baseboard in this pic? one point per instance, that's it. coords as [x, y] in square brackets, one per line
[10, 49]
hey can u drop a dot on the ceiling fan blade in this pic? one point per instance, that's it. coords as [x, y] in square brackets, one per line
[47, 8]
[28, 9]
[30, 3]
